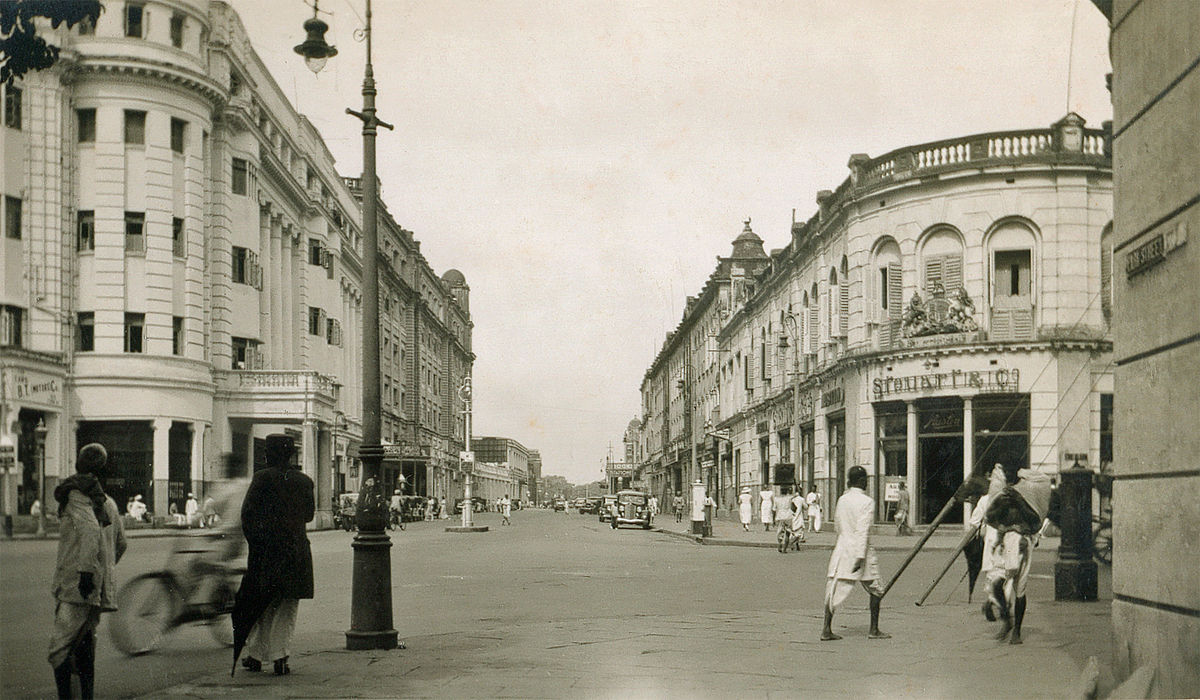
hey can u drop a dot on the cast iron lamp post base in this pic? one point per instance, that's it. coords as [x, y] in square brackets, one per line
[467, 528]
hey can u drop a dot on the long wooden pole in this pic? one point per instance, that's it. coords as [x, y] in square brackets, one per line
[920, 543]
[949, 562]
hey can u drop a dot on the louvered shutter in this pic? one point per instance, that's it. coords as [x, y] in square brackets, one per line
[952, 273]
[895, 301]
[768, 359]
[933, 273]
[1002, 325]
[1106, 286]
[844, 310]
[813, 327]
[1022, 324]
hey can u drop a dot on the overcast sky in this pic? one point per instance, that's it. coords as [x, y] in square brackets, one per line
[583, 163]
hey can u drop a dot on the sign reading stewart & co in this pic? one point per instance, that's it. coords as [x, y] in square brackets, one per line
[989, 381]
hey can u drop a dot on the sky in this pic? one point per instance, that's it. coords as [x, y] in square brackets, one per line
[583, 163]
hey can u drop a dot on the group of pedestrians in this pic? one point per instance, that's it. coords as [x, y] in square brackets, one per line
[797, 511]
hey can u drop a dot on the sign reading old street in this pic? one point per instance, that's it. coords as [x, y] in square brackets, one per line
[985, 381]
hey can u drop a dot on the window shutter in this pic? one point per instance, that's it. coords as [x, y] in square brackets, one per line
[1106, 286]
[768, 360]
[952, 273]
[813, 328]
[1022, 324]
[933, 273]
[844, 308]
[895, 292]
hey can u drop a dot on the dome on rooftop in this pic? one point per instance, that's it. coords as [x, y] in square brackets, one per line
[454, 278]
[748, 244]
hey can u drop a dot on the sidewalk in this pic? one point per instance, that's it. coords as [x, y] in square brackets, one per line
[883, 537]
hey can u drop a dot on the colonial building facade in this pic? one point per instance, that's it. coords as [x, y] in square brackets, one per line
[182, 275]
[946, 307]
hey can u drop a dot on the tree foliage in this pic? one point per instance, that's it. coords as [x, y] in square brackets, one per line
[22, 49]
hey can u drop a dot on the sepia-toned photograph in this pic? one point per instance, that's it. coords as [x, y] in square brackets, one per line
[599, 349]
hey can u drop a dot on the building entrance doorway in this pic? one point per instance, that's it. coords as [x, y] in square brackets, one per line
[940, 456]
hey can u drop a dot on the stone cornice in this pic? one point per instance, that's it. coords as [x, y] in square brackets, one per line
[158, 72]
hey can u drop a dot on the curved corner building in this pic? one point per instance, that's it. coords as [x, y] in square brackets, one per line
[947, 306]
[181, 275]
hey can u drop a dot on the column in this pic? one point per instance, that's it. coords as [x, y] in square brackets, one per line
[873, 470]
[324, 477]
[162, 457]
[288, 315]
[197, 462]
[912, 461]
[308, 451]
[968, 448]
[275, 263]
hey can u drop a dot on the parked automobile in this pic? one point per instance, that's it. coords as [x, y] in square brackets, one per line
[560, 504]
[478, 505]
[591, 505]
[577, 504]
[605, 509]
[633, 508]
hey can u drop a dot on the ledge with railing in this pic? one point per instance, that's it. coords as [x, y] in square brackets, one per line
[981, 150]
[276, 381]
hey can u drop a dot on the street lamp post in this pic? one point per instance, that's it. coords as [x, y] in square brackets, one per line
[468, 462]
[39, 434]
[371, 585]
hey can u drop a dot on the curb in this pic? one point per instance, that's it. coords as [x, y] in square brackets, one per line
[726, 542]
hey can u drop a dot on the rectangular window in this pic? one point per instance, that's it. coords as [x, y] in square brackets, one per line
[883, 287]
[135, 232]
[135, 329]
[1106, 430]
[135, 126]
[12, 106]
[240, 182]
[246, 354]
[134, 20]
[12, 327]
[316, 321]
[87, 230]
[177, 335]
[333, 332]
[177, 30]
[87, 125]
[239, 266]
[178, 246]
[85, 332]
[1012, 270]
[178, 132]
[314, 251]
[12, 218]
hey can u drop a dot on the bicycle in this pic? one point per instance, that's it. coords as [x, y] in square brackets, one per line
[201, 588]
[788, 538]
[1102, 536]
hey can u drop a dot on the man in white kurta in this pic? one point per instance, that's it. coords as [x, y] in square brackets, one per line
[853, 560]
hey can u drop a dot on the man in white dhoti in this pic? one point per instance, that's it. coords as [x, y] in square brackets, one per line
[853, 560]
[91, 541]
[1015, 513]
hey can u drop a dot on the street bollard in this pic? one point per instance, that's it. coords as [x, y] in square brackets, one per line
[698, 508]
[1075, 568]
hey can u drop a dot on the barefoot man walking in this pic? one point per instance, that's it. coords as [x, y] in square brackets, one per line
[853, 560]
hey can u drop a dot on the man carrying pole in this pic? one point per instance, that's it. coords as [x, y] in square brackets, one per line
[853, 559]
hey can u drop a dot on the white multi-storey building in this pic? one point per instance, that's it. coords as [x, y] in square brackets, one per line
[182, 275]
[946, 307]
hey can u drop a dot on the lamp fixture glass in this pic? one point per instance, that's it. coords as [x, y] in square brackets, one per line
[314, 49]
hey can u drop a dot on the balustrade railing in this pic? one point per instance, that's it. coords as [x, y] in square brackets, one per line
[1001, 147]
[302, 380]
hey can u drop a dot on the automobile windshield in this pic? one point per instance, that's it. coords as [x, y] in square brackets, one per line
[635, 498]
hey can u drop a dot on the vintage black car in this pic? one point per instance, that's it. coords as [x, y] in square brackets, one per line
[605, 509]
[591, 505]
[632, 508]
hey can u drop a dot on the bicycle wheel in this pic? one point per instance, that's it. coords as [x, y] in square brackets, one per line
[1102, 544]
[782, 539]
[146, 608]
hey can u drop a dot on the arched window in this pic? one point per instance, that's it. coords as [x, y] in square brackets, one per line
[1010, 248]
[833, 314]
[942, 261]
[887, 302]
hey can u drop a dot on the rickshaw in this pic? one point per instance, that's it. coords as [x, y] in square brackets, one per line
[346, 508]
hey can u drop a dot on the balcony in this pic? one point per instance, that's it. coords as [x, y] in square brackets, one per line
[275, 393]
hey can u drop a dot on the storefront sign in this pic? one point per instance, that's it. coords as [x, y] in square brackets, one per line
[834, 397]
[619, 469]
[30, 387]
[991, 381]
[781, 414]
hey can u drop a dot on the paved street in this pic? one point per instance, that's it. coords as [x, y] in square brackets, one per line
[557, 606]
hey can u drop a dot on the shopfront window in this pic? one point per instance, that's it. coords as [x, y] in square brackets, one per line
[891, 446]
[130, 446]
[837, 458]
[940, 455]
[764, 454]
[1106, 429]
[1001, 432]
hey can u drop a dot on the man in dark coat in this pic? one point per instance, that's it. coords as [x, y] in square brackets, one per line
[279, 570]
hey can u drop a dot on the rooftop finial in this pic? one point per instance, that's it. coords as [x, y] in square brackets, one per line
[747, 224]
